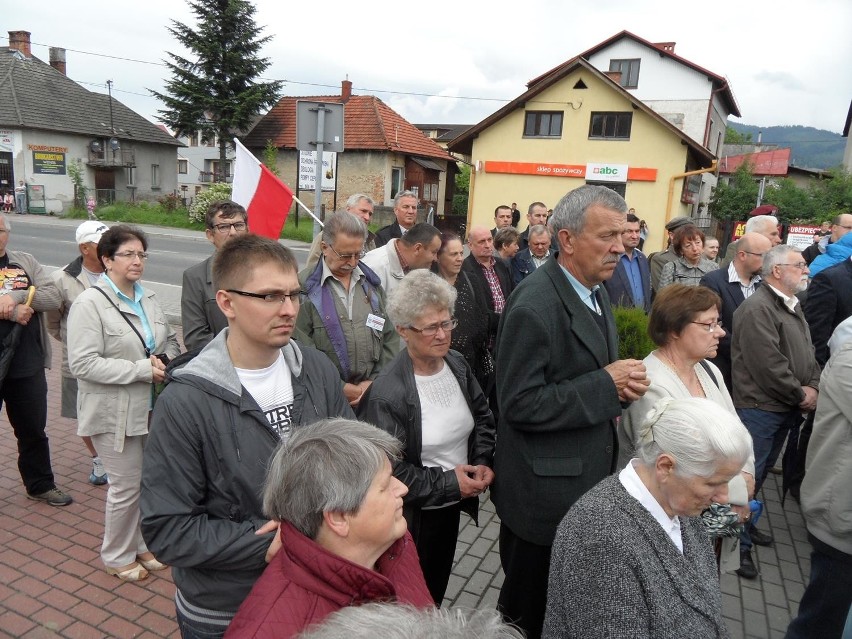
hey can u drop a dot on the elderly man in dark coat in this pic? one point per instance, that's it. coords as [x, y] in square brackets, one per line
[560, 389]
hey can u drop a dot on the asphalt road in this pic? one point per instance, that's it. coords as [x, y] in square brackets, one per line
[51, 240]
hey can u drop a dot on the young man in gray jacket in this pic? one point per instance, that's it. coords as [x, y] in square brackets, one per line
[215, 428]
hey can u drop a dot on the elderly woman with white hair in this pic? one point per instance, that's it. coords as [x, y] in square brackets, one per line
[429, 399]
[631, 558]
[343, 537]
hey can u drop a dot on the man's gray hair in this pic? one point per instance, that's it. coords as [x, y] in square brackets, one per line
[343, 223]
[758, 223]
[698, 433]
[357, 197]
[396, 621]
[570, 212]
[325, 467]
[775, 256]
[418, 292]
[538, 229]
[403, 194]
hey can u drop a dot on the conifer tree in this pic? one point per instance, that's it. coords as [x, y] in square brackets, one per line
[215, 89]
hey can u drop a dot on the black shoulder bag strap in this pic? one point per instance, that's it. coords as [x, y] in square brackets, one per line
[706, 367]
[126, 319]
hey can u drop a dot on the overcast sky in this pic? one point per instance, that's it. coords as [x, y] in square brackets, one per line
[459, 61]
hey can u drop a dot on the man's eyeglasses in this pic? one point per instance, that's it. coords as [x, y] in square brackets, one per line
[710, 326]
[348, 256]
[129, 255]
[226, 227]
[270, 298]
[799, 265]
[755, 254]
[432, 329]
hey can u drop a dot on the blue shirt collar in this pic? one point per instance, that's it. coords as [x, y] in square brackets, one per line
[137, 290]
[585, 294]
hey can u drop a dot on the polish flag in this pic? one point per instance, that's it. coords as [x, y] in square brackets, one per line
[266, 198]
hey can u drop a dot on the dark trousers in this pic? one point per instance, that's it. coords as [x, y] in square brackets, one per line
[436, 546]
[523, 597]
[26, 408]
[825, 604]
[768, 431]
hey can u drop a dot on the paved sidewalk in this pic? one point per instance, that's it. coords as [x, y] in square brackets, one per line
[52, 583]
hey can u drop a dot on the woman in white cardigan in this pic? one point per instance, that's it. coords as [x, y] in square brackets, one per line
[684, 323]
[118, 345]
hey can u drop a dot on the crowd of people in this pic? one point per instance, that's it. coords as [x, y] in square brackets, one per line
[316, 445]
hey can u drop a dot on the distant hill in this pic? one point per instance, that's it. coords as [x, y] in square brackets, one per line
[811, 148]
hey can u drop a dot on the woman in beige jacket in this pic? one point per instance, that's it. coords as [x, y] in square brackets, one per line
[118, 344]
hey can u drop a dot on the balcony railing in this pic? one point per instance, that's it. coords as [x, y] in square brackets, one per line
[109, 158]
[207, 177]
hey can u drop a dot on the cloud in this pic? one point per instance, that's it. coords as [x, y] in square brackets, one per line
[781, 79]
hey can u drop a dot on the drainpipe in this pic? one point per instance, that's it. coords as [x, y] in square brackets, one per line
[473, 172]
[678, 176]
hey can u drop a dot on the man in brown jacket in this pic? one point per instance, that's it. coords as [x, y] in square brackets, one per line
[774, 370]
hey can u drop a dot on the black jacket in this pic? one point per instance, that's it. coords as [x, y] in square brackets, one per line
[471, 266]
[829, 303]
[732, 296]
[388, 233]
[392, 404]
[618, 286]
[557, 403]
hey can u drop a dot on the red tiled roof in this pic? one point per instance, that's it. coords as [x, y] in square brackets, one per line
[719, 81]
[773, 162]
[368, 124]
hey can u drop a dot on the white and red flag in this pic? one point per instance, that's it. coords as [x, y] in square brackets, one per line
[266, 198]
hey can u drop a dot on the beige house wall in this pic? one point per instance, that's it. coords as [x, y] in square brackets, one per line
[651, 146]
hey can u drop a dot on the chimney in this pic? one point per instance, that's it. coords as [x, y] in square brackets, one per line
[345, 91]
[615, 76]
[668, 47]
[57, 59]
[20, 41]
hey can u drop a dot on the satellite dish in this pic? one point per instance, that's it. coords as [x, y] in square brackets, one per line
[95, 146]
[114, 144]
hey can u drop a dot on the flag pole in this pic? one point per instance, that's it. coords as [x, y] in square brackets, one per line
[309, 212]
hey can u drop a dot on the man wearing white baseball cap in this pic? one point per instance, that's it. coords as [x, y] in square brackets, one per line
[72, 280]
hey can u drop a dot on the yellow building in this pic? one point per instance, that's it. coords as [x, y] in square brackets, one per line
[577, 126]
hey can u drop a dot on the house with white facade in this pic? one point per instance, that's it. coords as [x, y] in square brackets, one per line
[695, 100]
[198, 164]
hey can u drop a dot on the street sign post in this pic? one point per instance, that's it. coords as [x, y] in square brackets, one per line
[319, 127]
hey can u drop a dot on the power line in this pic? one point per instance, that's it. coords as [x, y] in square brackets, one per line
[285, 80]
[333, 86]
[98, 84]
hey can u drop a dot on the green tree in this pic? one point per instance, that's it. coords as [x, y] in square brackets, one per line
[734, 199]
[76, 173]
[832, 194]
[270, 157]
[215, 89]
[460, 197]
[732, 136]
[794, 204]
